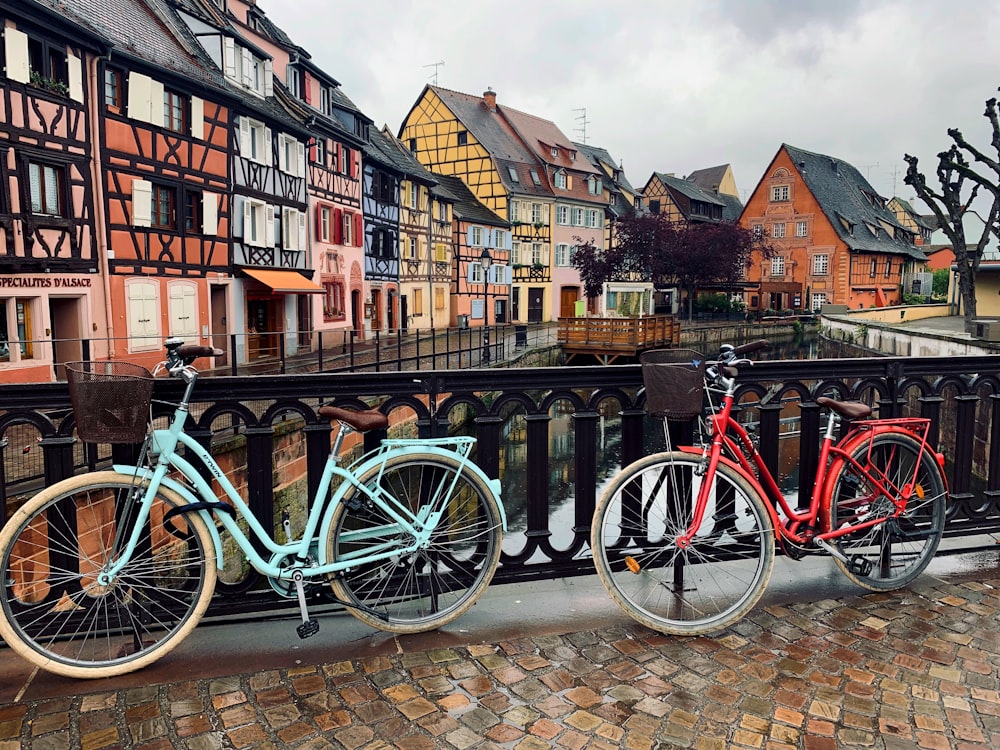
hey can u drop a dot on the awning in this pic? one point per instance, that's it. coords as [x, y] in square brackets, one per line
[284, 282]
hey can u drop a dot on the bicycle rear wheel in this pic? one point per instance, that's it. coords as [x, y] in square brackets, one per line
[57, 614]
[697, 589]
[423, 590]
[892, 553]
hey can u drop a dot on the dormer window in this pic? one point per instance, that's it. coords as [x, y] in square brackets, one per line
[513, 174]
[594, 185]
[534, 177]
[246, 69]
[561, 179]
[554, 151]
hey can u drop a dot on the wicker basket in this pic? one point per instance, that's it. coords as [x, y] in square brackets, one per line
[675, 382]
[110, 400]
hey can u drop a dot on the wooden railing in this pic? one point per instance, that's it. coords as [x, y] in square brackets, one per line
[610, 338]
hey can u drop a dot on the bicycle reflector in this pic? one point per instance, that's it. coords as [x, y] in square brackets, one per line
[632, 564]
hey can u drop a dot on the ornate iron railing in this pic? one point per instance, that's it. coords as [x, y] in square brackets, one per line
[961, 396]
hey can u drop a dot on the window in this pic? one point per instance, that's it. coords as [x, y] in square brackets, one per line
[561, 179]
[438, 298]
[554, 151]
[418, 302]
[442, 211]
[872, 271]
[821, 265]
[413, 144]
[173, 111]
[291, 153]
[577, 217]
[333, 299]
[562, 214]
[563, 255]
[347, 230]
[593, 217]
[293, 229]
[413, 195]
[463, 138]
[411, 248]
[258, 223]
[536, 213]
[476, 274]
[594, 185]
[325, 225]
[324, 107]
[48, 60]
[537, 253]
[779, 193]
[654, 207]
[778, 230]
[319, 152]
[515, 253]
[514, 211]
[255, 141]
[441, 252]
[818, 300]
[758, 231]
[534, 177]
[46, 187]
[163, 216]
[888, 267]
[476, 236]
[192, 211]
[801, 229]
[777, 266]
[513, 174]
[113, 93]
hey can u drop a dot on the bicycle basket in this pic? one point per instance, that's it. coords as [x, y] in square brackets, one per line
[674, 381]
[110, 400]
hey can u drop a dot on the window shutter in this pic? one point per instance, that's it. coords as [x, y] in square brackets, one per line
[468, 237]
[307, 87]
[229, 57]
[155, 103]
[74, 71]
[268, 78]
[282, 152]
[318, 221]
[245, 145]
[269, 225]
[197, 118]
[351, 164]
[268, 156]
[209, 213]
[312, 152]
[338, 227]
[138, 96]
[142, 203]
[286, 233]
[247, 221]
[359, 231]
[300, 159]
[16, 47]
[301, 229]
[247, 60]
[337, 156]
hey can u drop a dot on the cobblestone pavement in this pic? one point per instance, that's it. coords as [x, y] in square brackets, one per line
[918, 668]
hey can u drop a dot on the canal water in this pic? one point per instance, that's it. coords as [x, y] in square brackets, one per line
[561, 479]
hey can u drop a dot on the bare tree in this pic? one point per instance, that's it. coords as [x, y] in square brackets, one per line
[959, 186]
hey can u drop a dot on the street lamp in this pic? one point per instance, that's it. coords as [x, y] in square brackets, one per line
[485, 259]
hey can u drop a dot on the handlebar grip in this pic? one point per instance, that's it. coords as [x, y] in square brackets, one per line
[752, 346]
[193, 351]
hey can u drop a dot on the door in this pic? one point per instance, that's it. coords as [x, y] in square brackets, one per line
[376, 311]
[357, 309]
[220, 322]
[515, 303]
[67, 345]
[536, 298]
[262, 327]
[304, 317]
[568, 296]
[404, 316]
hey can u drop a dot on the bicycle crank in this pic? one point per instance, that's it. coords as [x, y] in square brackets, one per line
[858, 565]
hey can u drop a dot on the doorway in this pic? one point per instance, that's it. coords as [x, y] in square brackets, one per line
[568, 296]
[67, 343]
[357, 321]
[536, 298]
[263, 327]
[220, 322]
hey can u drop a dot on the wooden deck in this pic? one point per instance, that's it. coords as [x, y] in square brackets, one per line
[611, 338]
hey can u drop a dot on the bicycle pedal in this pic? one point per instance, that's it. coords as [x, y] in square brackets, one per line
[859, 566]
[307, 629]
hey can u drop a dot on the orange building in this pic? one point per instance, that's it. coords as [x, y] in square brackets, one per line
[836, 241]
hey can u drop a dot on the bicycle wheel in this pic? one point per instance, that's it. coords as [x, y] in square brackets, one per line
[890, 554]
[697, 589]
[56, 613]
[423, 590]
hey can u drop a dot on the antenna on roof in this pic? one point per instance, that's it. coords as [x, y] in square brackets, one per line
[868, 170]
[436, 65]
[582, 119]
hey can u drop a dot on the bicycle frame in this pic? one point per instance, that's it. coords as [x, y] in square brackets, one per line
[163, 445]
[731, 444]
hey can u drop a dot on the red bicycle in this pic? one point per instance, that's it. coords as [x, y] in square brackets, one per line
[684, 540]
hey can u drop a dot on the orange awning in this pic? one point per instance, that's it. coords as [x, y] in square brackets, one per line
[284, 282]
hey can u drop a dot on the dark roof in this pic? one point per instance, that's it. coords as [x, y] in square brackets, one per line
[380, 149]
[733, 208]
[467, 206]
[407, 161]
[598, 156]
[709, 178]
[689, 190]
[927, 222]
[845, 196]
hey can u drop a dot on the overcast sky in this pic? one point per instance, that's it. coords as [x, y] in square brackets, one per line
[679, 85]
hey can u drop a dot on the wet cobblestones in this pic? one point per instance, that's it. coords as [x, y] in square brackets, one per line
[911, 669]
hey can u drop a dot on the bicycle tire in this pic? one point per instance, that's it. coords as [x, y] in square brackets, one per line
[53, 611]
[899, 549]
[431, 587]
[700, 589]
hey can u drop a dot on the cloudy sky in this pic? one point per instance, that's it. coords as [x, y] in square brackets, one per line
[679, 85]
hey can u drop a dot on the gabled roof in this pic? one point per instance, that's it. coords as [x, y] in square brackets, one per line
[407, 162]
[855, 210]
[689, 189]
[598, 155]
[499, 139]
[709, 178]
[927, 222]
[542, 136]
[467, 207]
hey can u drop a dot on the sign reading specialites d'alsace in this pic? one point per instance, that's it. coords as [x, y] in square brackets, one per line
[44, 282]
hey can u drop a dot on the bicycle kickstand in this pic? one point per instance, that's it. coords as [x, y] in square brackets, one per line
[308, 627]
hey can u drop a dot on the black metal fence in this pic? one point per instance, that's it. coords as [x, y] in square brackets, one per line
[960, 395]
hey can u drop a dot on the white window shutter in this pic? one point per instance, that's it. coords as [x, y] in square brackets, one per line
[245, 145]
[247, 60]
[302, 230]
[16, 46]
[282, 151]
[209, 213]
[286, 234]
[468, 239]
[268, 78]
[155, 103]
[74, 71]
[229, 57]
[197, 118]
[300, 159]
[142, 203]
[247, 221]
[268, 158]
[269, 225]
[138, 96]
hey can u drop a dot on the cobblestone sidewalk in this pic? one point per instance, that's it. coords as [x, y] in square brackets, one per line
[912, 669]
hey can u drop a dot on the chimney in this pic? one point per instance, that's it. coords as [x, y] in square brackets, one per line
[490, 97]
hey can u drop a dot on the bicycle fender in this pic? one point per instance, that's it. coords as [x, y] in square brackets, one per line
[186, 495]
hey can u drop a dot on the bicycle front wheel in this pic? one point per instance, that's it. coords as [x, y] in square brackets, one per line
[894, 551]
[422, 590]
[695, 589]
[55, 610]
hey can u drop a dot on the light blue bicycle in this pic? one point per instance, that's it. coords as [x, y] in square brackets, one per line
[105, 572]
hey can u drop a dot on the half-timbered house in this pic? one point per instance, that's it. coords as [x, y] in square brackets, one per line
[383, 173]
[51, 281]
